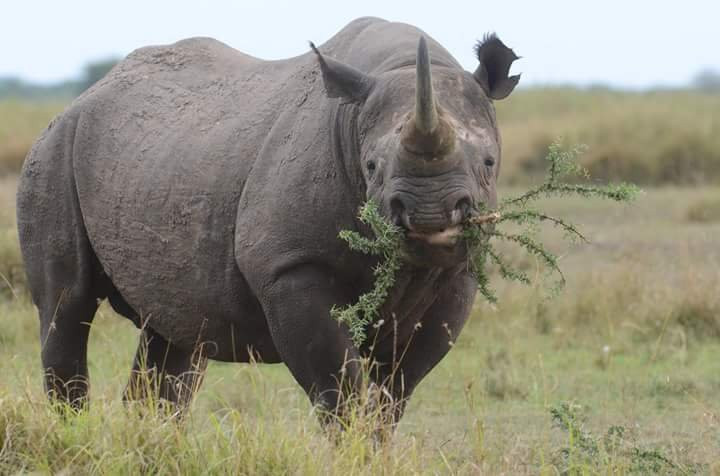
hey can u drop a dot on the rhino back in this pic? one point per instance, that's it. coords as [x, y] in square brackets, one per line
[163, 149]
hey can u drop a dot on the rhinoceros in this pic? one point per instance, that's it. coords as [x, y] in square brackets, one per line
[201, 190]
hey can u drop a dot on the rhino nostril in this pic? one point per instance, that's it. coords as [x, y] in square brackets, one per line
[397, 212]
[464, 207]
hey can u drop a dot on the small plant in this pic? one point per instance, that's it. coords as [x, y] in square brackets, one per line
[569, 417]
[586, 453]
[388, 245]
[478, 230]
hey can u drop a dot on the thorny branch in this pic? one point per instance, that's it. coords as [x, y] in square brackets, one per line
[389, 239]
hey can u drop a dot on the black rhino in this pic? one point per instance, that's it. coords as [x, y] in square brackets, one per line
[201, 191]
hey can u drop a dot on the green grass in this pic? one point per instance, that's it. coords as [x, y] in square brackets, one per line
[626, 357]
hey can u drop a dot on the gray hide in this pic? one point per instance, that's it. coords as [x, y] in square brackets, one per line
[202, 190]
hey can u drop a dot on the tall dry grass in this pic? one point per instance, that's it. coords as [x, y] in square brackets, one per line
[20, 124]
[662, 137]
[633, 340]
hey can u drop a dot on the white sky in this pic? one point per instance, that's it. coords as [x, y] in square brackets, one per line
[625, 43]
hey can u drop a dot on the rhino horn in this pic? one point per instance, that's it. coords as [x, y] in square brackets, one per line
[426, 132]
[426, 116]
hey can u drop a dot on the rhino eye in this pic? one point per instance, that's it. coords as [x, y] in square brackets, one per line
[489, 162]
[371, 166]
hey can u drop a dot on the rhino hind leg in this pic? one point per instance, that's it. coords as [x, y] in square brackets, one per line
[64, 333]
[64, 275]
[66, 290]
[163, 372]
[66, 283]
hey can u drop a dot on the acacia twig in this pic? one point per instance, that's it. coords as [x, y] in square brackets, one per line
[388, 243]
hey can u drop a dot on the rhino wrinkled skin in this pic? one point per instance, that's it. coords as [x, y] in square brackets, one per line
[201, 191]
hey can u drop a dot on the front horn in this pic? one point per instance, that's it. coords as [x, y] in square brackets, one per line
[426, 133]
[426, 117]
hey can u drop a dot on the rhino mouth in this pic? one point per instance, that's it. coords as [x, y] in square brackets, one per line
[442, 247]
[451, 235]
[447, 237]
[443, 232]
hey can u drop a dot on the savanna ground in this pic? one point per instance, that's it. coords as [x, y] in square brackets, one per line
[619, 374]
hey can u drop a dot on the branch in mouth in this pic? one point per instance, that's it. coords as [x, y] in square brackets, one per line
[483, 219]
[447, 237]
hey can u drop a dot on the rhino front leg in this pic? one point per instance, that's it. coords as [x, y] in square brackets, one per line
[316, 349]
[431, 341]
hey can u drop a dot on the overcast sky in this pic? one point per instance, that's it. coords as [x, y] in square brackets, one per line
[617, 42]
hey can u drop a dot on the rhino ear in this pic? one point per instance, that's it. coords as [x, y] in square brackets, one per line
[342, 80]
[492, 73]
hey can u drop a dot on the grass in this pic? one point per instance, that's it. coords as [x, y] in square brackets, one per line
[21, 122]
[619, 374]
[704, 210]
[660, 137]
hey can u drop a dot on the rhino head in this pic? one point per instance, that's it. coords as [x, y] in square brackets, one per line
[429, 146]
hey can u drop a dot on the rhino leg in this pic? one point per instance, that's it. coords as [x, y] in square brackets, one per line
[441, 326]
[316, 349]
[64, 336]
[66, 295]
[66, 286]
[163, 370]
[64, 275]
